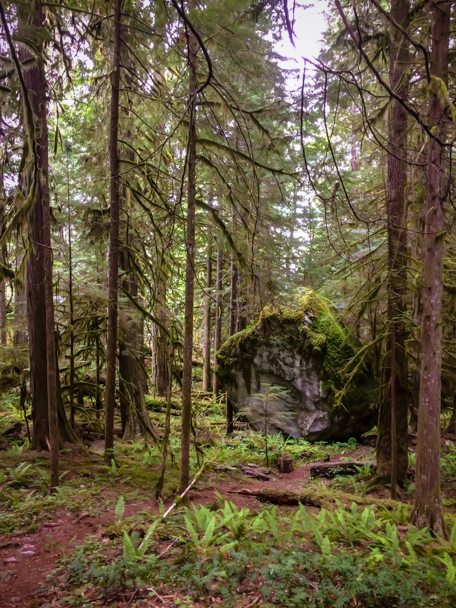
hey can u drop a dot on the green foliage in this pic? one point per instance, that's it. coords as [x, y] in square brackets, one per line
[120, 508]
[355, 556]
[262, 402]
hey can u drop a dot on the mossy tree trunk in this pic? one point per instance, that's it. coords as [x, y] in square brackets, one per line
[41, 351]
[207, 320]
[392, 456]
[451, 428]
[20, 315]
[427, 503]
[160, 344]
[218, 310]
[111, 341]
[134, 416]
[190, 265]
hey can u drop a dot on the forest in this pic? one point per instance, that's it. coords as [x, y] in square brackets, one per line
[227, 304]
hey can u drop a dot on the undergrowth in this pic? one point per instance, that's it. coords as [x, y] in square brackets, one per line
[333, 559]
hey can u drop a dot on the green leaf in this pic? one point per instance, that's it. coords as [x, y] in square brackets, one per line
[120, 508]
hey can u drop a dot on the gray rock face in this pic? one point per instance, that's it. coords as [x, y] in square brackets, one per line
[274, 376]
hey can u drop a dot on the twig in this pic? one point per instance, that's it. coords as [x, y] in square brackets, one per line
[165, 550]
[82, 517]
[185, 492]
[132, 598]
[252, 603]
[153, 591]
[179, 498]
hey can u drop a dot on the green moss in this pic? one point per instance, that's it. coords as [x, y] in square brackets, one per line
[307, 325]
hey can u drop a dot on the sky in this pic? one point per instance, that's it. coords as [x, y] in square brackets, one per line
[309, 26]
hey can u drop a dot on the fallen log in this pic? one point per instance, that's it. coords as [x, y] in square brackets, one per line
[255, 474]
[333, 469]
[316, 498]
[254, 471]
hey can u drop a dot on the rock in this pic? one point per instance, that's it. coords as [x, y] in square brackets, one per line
[28, 553]
[10, 560]
[285, 463]
[284, 374]
[6, 575]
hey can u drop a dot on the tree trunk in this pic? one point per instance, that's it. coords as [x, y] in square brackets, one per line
[2, 313]
[190, 267]
[160, 355]
[111, 341]
[427, 504]
[207, 321]
[392, 453]
[167, 430]
[451, 428]
[234, 280]
[34, 182]
[20, 315]
[134, 415]
[415, 400]
[46, 252]
[218, 311]
[71, 300]
[33, 85]
[35, 274]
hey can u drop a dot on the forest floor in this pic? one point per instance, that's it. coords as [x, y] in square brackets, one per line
[84, 545]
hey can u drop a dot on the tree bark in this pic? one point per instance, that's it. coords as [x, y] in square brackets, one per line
[190, 266]
[3, 313]
[133, 411]
[51, 355]
[207, 321]
[234, 280]
[20, 315]
[218, 311]
[165, 442]
[71, 300]
[160, 354]
[35, 274]
[392, 456]
[451, 428]
[111, 341]
[39, 282]
[427, 504]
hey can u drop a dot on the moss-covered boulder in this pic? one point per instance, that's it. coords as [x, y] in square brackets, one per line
[285, 373]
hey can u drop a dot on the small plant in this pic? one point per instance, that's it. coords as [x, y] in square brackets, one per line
[268, 416]
[120, 508]
[16, 450]
[113, 470]
[20, 475]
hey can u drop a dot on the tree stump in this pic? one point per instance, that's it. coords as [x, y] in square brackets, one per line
[285, 463]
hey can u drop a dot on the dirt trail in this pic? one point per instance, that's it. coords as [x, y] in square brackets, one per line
[27, 559]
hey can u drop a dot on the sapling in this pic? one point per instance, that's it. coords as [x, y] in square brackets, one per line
[269, 417]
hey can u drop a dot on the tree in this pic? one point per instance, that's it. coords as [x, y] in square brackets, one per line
[207, 320]
[190, 263]
[427, 502]
[392, 444]
[111, 346]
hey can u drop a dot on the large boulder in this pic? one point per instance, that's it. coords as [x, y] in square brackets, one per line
[285, 374]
